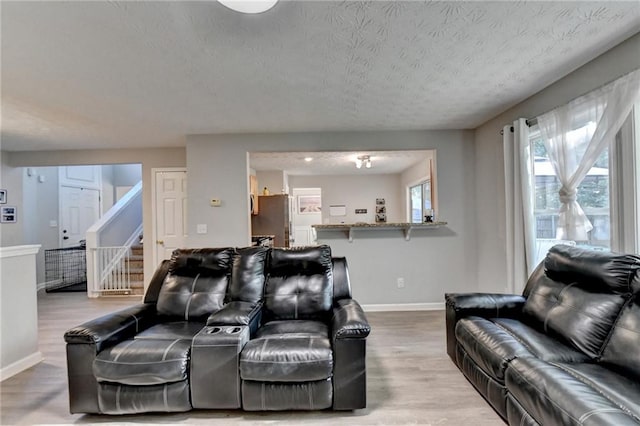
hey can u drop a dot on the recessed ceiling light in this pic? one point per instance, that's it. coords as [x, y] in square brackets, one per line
[308, 159]
[249, 6]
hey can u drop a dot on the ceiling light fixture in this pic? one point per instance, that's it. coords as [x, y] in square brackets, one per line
[308, 159]
[249, 6]
[363, 159]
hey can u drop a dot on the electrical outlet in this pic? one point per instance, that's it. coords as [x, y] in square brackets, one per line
[216, 202]
[201, 228]
[400, 282]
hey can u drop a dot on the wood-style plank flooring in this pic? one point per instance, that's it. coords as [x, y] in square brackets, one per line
[411, 381]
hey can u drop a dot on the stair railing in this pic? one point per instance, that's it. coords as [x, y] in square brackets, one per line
[108, 245]
[111, 262]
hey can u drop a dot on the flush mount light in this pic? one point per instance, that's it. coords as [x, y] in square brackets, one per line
[308, 159]
[363, 159]
[249, 6]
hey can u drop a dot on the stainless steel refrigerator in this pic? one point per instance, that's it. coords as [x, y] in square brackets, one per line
[273, 218]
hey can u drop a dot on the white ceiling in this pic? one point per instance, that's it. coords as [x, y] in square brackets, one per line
[97, 74]
[336, 163]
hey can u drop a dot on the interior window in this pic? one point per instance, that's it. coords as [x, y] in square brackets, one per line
[420, 199]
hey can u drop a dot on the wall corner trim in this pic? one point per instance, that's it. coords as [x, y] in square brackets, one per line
[20, 365]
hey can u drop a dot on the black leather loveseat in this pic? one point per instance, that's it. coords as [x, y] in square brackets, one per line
[251, 328]
[566, 352]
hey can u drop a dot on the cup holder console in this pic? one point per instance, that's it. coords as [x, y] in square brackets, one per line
[227, 330]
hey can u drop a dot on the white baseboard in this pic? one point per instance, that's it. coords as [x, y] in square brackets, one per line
[439, 306]
[20, 365]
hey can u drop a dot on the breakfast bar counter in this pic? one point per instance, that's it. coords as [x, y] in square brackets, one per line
[350, 228]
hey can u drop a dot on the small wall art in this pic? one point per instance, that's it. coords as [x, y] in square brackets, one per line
[309, 204]
[381, 210]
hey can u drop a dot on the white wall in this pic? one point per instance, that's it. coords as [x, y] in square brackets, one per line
[489, 165]
[149, 158]
[18, 310]
[433, 261]
[273, 180]
[355, 192]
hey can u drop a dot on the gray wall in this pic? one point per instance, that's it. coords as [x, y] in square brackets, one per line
[432, 262]
[489, 165]
[355, 192]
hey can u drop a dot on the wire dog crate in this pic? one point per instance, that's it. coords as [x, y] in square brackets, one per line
[66, 269]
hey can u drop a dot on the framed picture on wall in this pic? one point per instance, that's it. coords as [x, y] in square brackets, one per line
[309, 204]
[3, 196]
[8, 214]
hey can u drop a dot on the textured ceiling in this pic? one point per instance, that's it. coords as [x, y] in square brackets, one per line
[135, 74]
[336, 163]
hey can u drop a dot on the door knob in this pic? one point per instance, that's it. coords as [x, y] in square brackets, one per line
[159, 242]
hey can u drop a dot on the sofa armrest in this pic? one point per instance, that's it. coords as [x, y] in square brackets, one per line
[113, 328]
[486, 305]
[349, 331]
[349, 321]
[238, 313]
[86, 340]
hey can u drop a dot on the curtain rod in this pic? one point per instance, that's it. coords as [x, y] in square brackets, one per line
[530, 122]
[533, 121]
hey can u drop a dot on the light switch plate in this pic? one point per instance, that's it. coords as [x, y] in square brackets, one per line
[201, 228]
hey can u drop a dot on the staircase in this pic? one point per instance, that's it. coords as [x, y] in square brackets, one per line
[136, 268]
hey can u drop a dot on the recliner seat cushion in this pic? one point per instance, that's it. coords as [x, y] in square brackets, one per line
[171, 330]
[276, 355]
[562, 396]
[490, 347]
[143, 362]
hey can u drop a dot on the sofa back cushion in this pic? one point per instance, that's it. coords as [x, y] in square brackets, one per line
[299, 283]
[579, 296]
[595, 270]
[622, 350]
[196, 283]
[247, 275]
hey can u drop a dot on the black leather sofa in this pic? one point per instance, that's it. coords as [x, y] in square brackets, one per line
[566, 352]
[226, 328]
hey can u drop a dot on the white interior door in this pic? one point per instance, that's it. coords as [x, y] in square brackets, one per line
[170, 213]
[79, 209]
[302, 219]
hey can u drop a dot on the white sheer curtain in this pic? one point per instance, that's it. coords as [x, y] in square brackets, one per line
[520, 231]
[575, 135]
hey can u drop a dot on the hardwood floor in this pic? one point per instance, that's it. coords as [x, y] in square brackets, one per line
[410, 378]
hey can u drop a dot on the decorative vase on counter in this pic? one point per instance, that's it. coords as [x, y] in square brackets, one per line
[265, 191]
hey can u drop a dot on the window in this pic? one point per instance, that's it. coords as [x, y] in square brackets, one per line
[420, 201]
[592, 195]
[608, 194]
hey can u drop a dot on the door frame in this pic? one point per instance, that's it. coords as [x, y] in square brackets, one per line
[154, 217]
